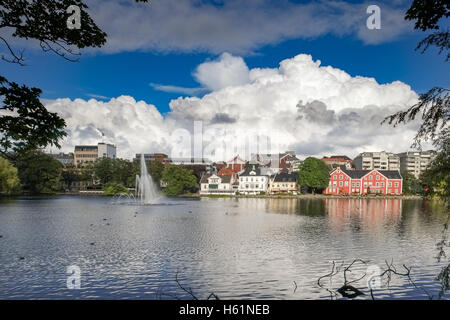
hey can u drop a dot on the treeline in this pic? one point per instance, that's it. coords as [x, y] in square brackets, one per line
[39, 173]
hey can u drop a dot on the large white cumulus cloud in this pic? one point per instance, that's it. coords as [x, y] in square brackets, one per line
[301, 106]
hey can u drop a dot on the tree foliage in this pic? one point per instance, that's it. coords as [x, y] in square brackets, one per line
[39, 172]
[9, 179]
[313, 173]
[113, 188]
[411, 185]
[427, 14]
[115, 170]
[156, 169]
[28, 125]
[178, 180]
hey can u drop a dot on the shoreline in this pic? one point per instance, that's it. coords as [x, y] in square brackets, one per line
[272, 196]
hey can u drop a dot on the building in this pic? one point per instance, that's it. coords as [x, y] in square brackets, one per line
[283, 182]
[66, 159]
[236, 164]
[377, 160]
[89, 154]
[252, 181]
[189, 161]
[288, 161]
[416, 162]
[160, 157]
[338, 161]
[214, 184]
[346, 182]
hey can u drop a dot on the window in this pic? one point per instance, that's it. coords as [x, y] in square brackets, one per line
[370, 177]
[378, 177]
[335, 177]
[390, 184]
[396, 184]
[341, 176]
[340, 183]
[346, 183]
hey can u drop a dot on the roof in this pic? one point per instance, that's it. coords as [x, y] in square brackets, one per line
[336, 158]
[248, 170]
[225, 179]
[358, 174]
[285, 177]
[391, 174]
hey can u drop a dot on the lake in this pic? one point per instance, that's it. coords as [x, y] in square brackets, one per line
[245, 248]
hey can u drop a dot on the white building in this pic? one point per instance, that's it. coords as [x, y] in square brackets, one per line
[214, 184]
[416, 162]
[106, 150]
[377, 160]
[252, 181]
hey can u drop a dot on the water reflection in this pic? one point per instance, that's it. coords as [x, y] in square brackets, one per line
[239, 248]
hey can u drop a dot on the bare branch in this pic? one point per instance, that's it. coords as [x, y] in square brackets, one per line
[16, 57]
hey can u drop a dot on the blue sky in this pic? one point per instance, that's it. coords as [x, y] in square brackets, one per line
[130, 73]
[229, 53]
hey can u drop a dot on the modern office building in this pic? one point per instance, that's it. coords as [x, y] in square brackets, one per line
[377, 160]
[89, 154]
[416, 162]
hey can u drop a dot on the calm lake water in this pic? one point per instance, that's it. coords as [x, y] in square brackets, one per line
[236, 248]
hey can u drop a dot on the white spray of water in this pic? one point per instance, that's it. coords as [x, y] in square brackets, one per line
[145, 188]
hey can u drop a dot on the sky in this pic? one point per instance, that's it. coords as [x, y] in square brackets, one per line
[307, 76]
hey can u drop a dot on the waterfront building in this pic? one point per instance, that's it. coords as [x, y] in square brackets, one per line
[283, 182]
[416, 162]
[252, 181]
[214, 184]
[377, 160]
[346, 182]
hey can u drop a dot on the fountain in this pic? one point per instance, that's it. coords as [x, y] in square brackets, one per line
[145, 188]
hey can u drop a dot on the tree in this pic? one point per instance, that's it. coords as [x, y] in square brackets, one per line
[178, 180]
[69, 175]
[314, 174]
[39, 172]
[434, 106]
[156, 169]
[103, 169]
[25, 123]
[9, 179]
[411, 185]
[112, 188]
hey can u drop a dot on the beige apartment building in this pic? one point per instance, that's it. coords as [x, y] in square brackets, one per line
[377, 160]
[84, 155]
[416, 162]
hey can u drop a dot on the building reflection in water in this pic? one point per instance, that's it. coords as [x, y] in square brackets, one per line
[372, 212]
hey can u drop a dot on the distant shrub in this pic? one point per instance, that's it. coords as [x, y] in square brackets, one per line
[112, 188]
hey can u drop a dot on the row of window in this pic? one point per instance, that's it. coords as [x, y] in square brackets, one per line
[357, 184]
[246, 179]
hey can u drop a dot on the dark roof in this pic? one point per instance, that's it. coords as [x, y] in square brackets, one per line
[391, 174]
[248, 170]
[358, 174]
[225, 179]
[285, 177]
[85, 148]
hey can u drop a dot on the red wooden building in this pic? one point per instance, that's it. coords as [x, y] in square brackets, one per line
[345, 182]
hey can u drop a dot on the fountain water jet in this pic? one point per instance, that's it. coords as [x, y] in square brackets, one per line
[145, 188]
